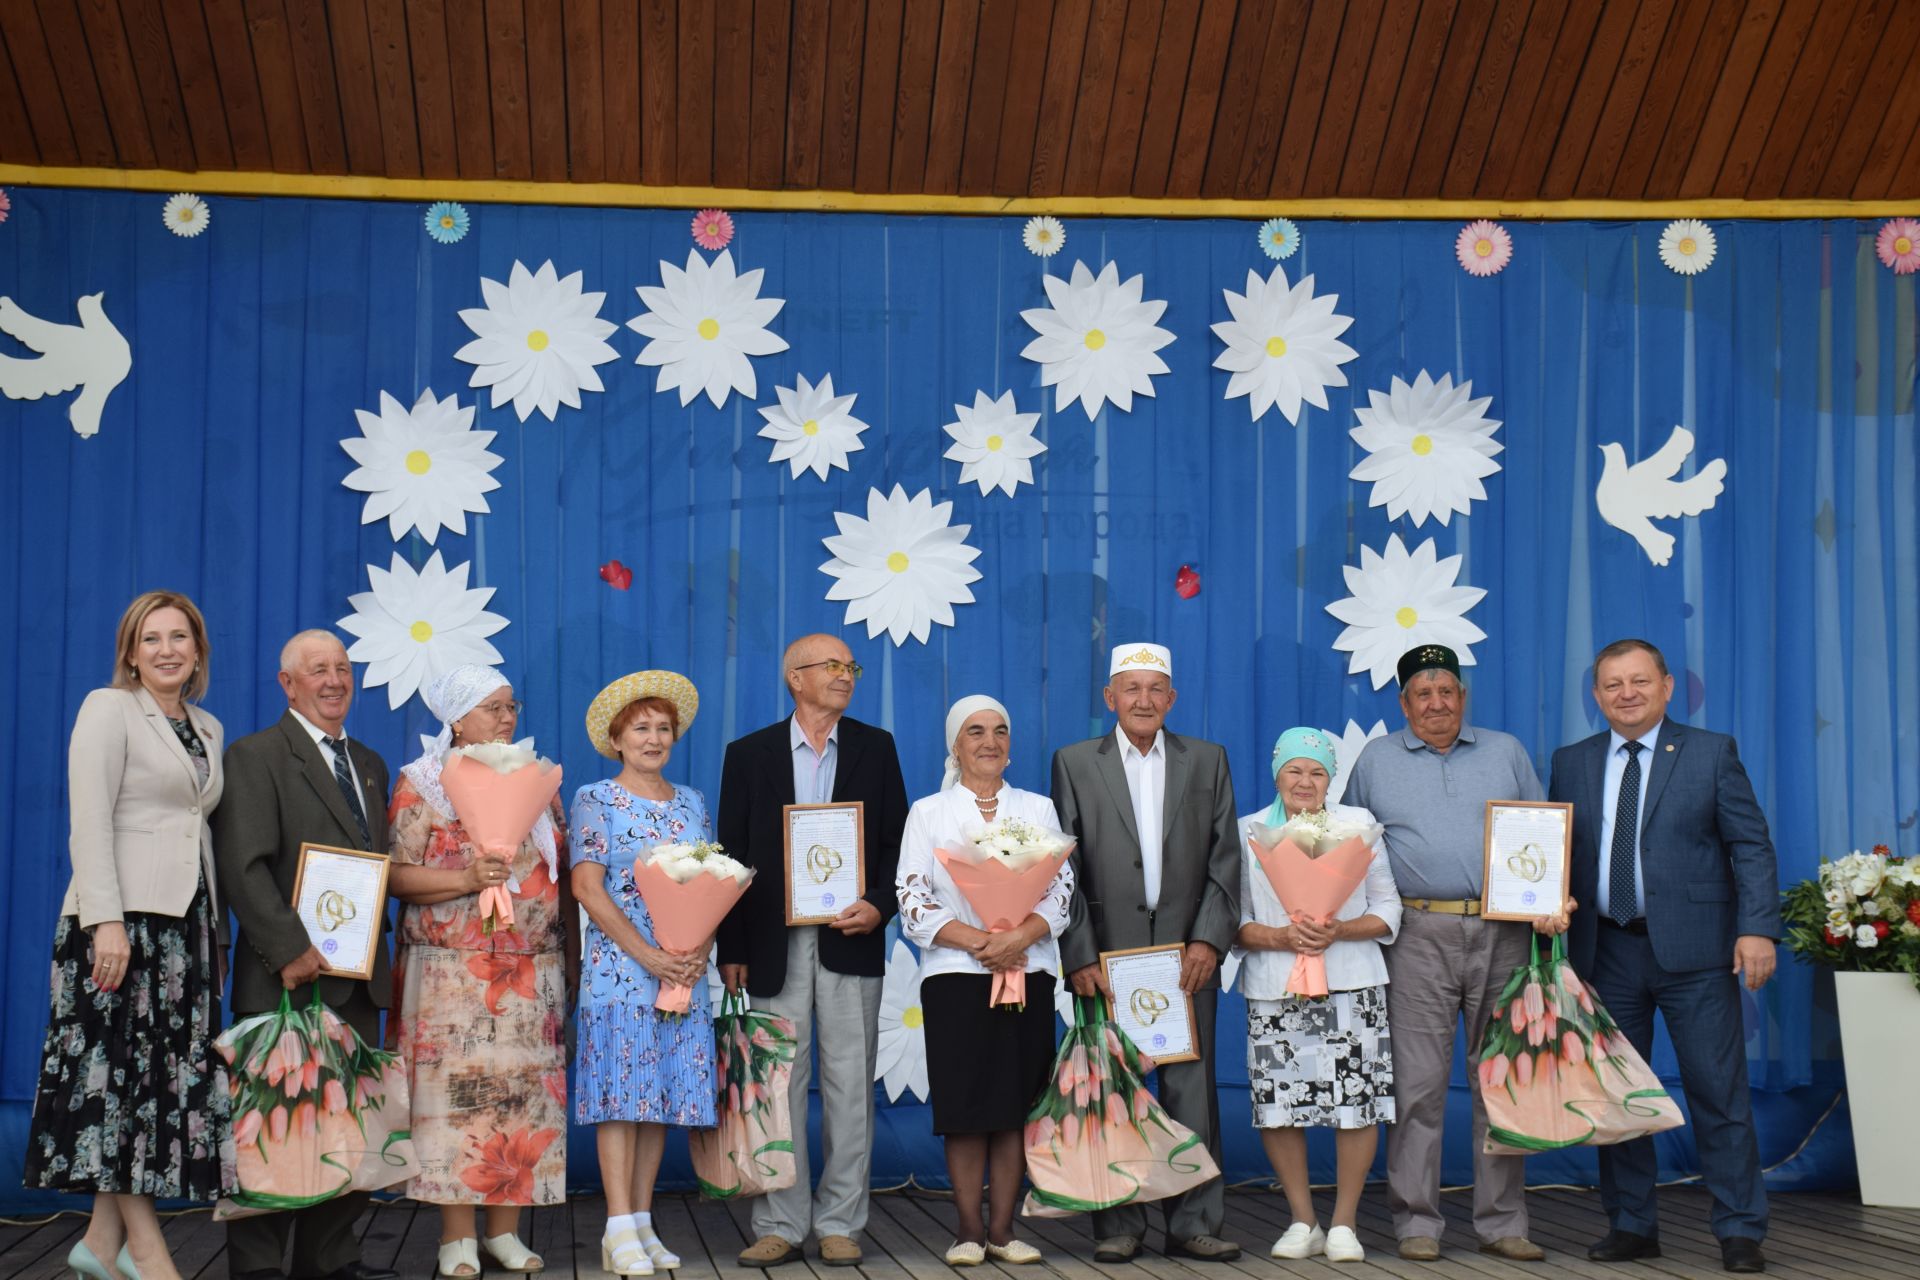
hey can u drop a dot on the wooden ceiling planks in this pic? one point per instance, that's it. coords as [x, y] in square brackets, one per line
[1264, 100]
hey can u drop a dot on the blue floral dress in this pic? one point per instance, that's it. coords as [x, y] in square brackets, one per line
[634, 1063]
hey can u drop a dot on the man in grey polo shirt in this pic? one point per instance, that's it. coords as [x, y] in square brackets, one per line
[1428, 786]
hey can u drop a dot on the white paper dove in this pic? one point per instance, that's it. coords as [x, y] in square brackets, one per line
[1631, 498]
[91, 355]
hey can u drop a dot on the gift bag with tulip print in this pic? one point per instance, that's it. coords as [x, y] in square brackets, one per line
[317, 1112]
[1097, 1137]
[1556, 1070]
[749, 1151]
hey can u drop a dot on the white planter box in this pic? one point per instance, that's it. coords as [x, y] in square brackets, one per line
[1880, 1037]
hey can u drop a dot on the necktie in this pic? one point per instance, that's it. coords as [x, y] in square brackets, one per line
[1621, 892]
[344, 776]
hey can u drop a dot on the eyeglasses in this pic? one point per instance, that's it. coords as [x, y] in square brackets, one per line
[835, 667]
[513, 708]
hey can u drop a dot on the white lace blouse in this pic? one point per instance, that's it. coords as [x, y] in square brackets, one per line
[929, 899]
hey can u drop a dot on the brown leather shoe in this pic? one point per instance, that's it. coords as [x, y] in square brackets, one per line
[1204, 1249]
[769, 1251]
[1514, 1249]
[1420, 1249]
[839, 1251]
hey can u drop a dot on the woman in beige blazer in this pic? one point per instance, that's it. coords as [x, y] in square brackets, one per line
[132, 1102]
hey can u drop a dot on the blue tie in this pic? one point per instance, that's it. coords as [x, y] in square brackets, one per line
[1622, 904]
[344, 776]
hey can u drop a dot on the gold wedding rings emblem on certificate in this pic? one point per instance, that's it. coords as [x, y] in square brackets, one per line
[335, 909]
[822, 862]
[1148, 1005]
[1528, 863]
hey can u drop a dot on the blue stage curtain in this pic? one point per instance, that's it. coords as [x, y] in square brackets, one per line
[1789, 611]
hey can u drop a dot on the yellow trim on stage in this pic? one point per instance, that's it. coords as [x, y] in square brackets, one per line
[621, 194]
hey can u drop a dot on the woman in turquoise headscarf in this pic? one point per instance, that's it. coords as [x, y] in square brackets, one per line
[1317, 1060]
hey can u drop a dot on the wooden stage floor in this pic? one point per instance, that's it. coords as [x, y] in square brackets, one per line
[1815, 1237]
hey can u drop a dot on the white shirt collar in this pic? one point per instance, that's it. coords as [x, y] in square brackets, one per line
[1158, 751]
[314, 731]
[1647, 740]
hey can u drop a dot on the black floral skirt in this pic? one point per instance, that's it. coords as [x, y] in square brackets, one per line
[1322, 1062]
[132, 1099]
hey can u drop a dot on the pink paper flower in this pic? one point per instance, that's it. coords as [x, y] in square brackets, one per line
[712, 229]
[6, 205]
[1483, 248]
[1898, 245]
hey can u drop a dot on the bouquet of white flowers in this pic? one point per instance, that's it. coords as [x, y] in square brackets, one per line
[688, 887]
[498, 791]
[1003, 869]
[684, 860]
[1320, 833]
[1015, 842]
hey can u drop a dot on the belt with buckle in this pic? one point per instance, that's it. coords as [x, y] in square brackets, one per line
[1445, 906]
[1637, 925]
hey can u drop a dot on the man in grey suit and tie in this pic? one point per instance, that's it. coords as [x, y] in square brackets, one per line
[1157, 861]
[301, 780]
[1672, 857]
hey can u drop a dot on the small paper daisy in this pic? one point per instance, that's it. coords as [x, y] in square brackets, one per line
[1044, 236]
[186, 215]
[1483, 248]
[712, 229]
[6, 205]
[1279, 238]
[447, 222]
[1898, 245]
[1687, 246]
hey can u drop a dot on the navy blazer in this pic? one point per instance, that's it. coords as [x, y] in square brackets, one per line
[756, 783]
[1706, 862]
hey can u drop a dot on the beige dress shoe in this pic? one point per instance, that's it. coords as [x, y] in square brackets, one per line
[769, 1251]
[1514, 1249]
[839, 1251]
[1420, 1249]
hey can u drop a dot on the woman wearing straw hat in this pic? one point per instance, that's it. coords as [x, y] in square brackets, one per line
[481, 1012]
[637, 1070]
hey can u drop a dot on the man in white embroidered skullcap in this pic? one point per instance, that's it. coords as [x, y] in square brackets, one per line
[1162, 868]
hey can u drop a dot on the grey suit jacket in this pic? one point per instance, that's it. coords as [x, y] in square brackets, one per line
[281, 793]
[1706, 862]
[1199, 859]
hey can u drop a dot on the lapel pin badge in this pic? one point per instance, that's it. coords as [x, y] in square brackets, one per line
[1669, 746]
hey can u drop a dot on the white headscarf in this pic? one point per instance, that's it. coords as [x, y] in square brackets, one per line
[450, 697]
[957, 715]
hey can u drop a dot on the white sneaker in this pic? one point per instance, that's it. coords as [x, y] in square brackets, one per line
[1303, 1240]
[1344, 1246]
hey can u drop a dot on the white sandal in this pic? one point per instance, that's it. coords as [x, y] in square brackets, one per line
[460, 1259]
[621, 1254]
[512, 1255]
[657, 1253]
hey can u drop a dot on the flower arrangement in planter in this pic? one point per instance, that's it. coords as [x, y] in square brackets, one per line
[1860, 915]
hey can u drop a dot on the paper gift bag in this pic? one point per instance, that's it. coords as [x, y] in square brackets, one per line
[1556, 1070]
[1098, 1138]
[749, 1151]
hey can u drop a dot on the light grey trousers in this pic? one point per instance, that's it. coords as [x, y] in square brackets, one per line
[1442, 967]
[841, 1015]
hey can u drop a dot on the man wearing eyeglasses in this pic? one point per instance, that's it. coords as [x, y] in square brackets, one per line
[826, 978]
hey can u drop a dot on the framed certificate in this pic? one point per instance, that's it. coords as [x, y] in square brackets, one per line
[1148, 1003]
[1529, 858]
[341, 896]
[826, 859]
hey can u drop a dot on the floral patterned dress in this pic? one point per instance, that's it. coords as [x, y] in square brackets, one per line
[481, 1023]
[132, 1099]
[635, 1063]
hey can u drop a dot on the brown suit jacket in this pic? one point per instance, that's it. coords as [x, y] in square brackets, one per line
[280, 794]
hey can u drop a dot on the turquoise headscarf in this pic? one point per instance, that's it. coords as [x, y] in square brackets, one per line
[1299, 743]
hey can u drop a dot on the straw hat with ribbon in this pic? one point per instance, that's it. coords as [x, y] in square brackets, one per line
[613, 699]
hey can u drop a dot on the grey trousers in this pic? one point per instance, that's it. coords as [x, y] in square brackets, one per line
[841, 1015]
[1187, 1092]
[322, 1238]
[1440, 968]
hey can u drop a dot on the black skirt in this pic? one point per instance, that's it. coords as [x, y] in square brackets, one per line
[985, 1066]
[132, 1098]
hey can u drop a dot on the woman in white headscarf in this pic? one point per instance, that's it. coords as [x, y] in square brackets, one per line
[481, 1013]
[985, 1066]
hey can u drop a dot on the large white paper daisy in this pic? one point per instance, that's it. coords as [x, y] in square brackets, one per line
[993, 443]
[1428, 447]
[539, 338]
[705, 321]
[422, 468]
[903, 568]
[1687, 246]
[901, 1060]
[1097, 340]
[1282, 344]
[1350, 744]
[1402, 599]
[186, 214]
[415, 626]
[811, 427]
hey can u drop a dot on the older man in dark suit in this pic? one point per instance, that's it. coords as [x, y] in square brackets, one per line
[1673, 863]
[1157, 861]
[300, 781]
